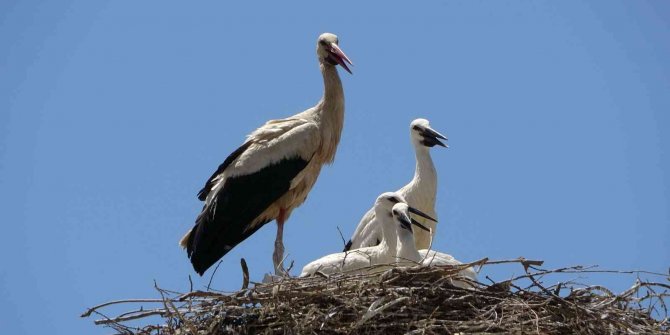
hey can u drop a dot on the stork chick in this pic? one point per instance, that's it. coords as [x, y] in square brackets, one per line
[360, 260]
[407, 255]
[420, 192]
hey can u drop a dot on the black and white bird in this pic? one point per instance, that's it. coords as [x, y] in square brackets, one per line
[381, 255]
[420, 192]
[272, 172]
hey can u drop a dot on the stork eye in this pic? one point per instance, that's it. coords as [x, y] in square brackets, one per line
[416, 128]
[323, 42]
[394, 200]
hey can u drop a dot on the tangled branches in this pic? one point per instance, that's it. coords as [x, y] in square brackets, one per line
[410, 300]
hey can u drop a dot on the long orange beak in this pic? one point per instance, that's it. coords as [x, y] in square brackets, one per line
[340, 57]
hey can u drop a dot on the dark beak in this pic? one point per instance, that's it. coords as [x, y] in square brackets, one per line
[405, 222]
[432, 138]
[416, 223]
[339, 56]
[420, 213]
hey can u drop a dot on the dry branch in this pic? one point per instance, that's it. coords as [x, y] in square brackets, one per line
[411, 300]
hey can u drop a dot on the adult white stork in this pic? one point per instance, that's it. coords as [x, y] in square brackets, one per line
[360, 260]
[420, 192]
[272, 172]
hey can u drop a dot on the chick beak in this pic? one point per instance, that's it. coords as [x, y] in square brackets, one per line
[420, 213]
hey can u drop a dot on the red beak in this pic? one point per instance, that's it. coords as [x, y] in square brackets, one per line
[340, 57]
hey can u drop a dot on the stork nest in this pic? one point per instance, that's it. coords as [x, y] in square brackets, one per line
[407, 300]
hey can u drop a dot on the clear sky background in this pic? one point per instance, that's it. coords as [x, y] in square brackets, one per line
[114, 113]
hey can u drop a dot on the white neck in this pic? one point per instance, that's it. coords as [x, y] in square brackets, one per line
[425, 175]
[406, 248]
[389, 239]
[333, 93]
[329, 112]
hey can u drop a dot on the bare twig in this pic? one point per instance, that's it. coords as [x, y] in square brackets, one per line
[125, 301]
[344, 242]
[416, 300]
[132, 316]
[212, 276]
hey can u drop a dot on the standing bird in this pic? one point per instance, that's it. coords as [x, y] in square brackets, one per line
[271, 173]
[356, 261]
[419, 193]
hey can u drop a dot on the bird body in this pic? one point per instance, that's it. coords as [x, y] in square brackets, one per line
[432, 257]
[419, 193]
[408, 255]
[353, 262]
[394, 214]
[271, 173]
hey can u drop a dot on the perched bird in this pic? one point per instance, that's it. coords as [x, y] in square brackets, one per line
[272, 172]
[359, 260]
[432, 257]
[408, 255]
[419, 193]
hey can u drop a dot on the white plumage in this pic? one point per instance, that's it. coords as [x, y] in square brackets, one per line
[272, 172]
[420, 192]
[432, 257]
[408, 255]
[393, 213]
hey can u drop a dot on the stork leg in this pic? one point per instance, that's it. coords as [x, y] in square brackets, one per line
[278, 255]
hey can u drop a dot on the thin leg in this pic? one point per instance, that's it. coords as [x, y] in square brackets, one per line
[278, 255]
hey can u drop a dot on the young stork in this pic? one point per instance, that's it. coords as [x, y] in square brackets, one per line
[432, 257]
[408, 255]
[420, 192]
[357, 261]
[272, 172]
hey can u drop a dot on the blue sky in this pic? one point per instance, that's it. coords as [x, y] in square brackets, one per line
[113, 114]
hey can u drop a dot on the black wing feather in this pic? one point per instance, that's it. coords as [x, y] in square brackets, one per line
[347, 247]
[222, 224]
[202, 195]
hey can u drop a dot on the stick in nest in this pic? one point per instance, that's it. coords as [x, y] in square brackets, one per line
[414, 300]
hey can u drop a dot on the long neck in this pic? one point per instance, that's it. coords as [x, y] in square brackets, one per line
[330, 111]
[425, 174]
[333, 94]
[389, 238]
[406, 247]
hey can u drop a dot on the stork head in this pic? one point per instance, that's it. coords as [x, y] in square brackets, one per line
[385, 202]
[330, 53]
[400, 213]
[424, 136]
